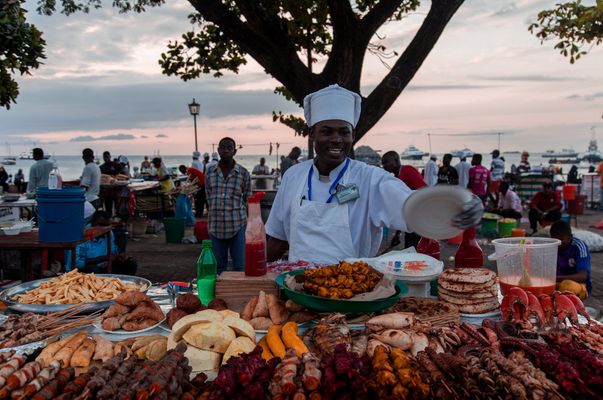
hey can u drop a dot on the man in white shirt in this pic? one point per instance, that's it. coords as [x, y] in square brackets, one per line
[431, 171]
[38, 173]
[462, 168]
[90, 179]
[332, 207]
[197, 164]
[261, 169]
[509, 203]
[497, 173]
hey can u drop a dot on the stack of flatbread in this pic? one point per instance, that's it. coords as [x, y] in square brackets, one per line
[472, 290]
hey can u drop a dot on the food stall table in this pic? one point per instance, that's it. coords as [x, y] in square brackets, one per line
[28, 242]
[7, 208]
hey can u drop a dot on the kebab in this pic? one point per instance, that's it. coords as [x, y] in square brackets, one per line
[55, 386]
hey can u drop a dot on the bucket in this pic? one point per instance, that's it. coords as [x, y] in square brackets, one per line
[576, 206]
[518, 232]
[139, 226]
[489, 227]
[174, 229]
[537, 256]
[60, 214]
[201, 232]
[569, 191]
[506, 226]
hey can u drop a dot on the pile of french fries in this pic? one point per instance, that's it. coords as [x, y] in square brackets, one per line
[74, 288]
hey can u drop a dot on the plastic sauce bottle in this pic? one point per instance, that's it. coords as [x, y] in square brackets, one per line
[469, 254]
[429, 247]
[255, 238]
[206, 273]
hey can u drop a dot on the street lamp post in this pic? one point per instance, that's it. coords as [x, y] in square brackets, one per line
[194, 110]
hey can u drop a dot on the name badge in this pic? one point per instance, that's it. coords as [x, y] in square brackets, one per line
[346, 193]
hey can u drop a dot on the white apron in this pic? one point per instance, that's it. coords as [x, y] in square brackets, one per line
[320, 231]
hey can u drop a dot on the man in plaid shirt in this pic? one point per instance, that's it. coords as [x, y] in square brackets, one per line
[228, 185]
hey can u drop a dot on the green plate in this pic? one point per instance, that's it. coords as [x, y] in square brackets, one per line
[343, 306]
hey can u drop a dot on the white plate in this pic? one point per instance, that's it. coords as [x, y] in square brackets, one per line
[429, 211]
[98, 325]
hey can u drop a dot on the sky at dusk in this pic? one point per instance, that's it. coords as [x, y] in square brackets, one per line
[101, 87]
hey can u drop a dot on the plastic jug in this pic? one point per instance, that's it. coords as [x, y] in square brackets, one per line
[429, 247]
[469, 254]
[54, 178]
[206, 273]
[255, 238]
[530, 263]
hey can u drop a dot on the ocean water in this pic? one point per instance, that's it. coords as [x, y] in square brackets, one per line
[71, 166]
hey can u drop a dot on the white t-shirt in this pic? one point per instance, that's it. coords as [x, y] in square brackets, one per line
[462, 168]
[379, 205]
[91, 180]
[497, 169]
[431, 173]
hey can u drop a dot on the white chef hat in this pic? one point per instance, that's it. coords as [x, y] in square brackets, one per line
[214, 156]
[196, 154]
[123, 159]
[332, 102]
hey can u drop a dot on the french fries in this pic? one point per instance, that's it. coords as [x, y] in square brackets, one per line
[74, 288]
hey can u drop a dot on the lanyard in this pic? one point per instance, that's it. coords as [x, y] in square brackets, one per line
[333, 185]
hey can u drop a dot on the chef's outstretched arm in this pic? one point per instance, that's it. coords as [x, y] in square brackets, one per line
[276, 248]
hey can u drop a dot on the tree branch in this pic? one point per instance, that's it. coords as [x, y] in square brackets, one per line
[377, 17]
[386, 93]
[278, 58]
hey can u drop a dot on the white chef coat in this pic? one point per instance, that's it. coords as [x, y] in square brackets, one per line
[379, 205]
[197, 164]
[462, 168]
[431, 173]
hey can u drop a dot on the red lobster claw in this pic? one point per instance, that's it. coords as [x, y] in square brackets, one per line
[578, 304]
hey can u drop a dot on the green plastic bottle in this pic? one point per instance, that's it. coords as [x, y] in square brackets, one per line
[206, 273]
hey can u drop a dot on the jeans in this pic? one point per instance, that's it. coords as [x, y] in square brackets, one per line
[235, 245]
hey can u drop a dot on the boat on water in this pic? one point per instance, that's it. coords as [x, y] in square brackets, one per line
[9, 161]
[29, 155]
[573, 160]
[462, 153]
[412, 153]
[564, 153]
[592, 155]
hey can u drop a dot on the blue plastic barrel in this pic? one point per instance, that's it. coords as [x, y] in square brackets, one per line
[60, 214]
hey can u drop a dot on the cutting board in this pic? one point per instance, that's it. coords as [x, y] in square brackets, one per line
[237, 289]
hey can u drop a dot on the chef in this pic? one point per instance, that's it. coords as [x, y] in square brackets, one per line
[332, 207]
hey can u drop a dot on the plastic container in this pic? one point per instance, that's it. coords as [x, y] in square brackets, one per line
[576, 206]
[489, 227]
[537, 256]
[174, 229]
[469, 254]
[569, 191]
[201, 231]
[518, 232]
[55, 182]
[506, 226]
[429, 247]
[60, 214]
[206, 273]
[255, 238]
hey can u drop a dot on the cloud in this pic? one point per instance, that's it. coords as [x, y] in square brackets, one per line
[144, 137]
[88, 138]
[161, 135]
[446, 87]
[585, 97]
[529, 78]
[253, 127]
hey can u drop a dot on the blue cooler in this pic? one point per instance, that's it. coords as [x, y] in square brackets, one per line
[60, 214]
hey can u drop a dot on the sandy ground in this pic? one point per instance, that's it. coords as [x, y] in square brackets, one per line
[161, 262]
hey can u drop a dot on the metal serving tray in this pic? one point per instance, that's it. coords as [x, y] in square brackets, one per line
[7, 295]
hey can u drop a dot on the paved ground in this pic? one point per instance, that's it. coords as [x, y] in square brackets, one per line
[159, 261]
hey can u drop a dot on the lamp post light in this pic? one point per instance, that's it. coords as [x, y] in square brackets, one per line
[194, 110]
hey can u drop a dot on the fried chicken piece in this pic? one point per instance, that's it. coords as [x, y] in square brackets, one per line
[146, 310]
[116, 310]
[132, 298]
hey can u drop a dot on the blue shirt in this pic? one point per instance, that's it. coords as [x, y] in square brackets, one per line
[573, 259]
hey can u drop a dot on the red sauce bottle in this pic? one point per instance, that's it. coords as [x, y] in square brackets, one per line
[469, 254]
[255, 238]
[429, 247]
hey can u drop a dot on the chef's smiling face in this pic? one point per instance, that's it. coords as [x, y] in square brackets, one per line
[333, 141]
